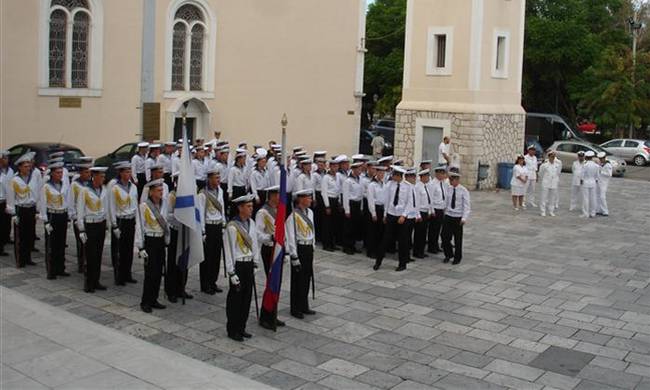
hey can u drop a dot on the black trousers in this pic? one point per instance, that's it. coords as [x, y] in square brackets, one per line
[375, 232]
[394, 231]
[339, 223]
[24, 234]
[96, 233]
[330, 224]
[209, 267]
[256, 206]
[405, 241]
[122, 268]
[435, 225]
[226, 199]
[236, 193]
[352, 226]
[153, 269]
[200, 184]
[420, 234]
[267, 258]
[451, 227]
[81, 249]
[5, 225]
[301, 280]
[175, 278]
[238, 302]
[142, 180]
[364, 226]
[55, 244]
[167, 177]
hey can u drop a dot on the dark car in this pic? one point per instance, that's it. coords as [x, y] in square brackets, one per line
[43, 149]
[123, 153]
[548, 128]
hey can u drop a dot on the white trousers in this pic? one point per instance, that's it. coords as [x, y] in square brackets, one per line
[530, 192]
[602, 198]
[589, 201]
[548, 200]
[576, 196]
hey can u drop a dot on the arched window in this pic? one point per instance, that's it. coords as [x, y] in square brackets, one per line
[188, 49]
[69, 35]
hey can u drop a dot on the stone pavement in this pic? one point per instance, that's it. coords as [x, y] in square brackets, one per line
[45, 347]
[536, 303]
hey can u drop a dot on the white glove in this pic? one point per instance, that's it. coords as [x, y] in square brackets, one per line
[234, 280]
[48, 228]
[117, 232]
[204, 237]
[255, 269]
[14, 220]
[295, 263]
[143, 254]
[83, 237]
[287, 259]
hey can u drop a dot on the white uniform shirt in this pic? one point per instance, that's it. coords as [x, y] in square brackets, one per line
[318, 178]
[53, 197]
[259, 180]
[299, 231]
[550, 174]
[21, 193]
[237, 178]
[423, 196]
[352, 191]
[329, 188]
[92, 206]
[123, 201]
[199, 169]
[531, 166]
[145, 193]
[148, 225]
[519, 171]
[5, 177]
[446, 149]
[605, 174]
[376, 196]
[210, 213]
[411, 210]
[223, 170]
[462, 205]
[235, 248]
[404, 201]
[265, 224]
[438, 195]
[304, 181]
[137, 165]
[166, 161]
[576, 170]
[176, 164]
[76, 187]
[171, 205]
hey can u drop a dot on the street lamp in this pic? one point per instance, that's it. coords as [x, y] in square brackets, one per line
[635, 27]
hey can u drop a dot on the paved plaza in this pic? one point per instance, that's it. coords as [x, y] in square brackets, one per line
[537, 303]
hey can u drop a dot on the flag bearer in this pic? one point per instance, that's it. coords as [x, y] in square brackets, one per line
[424, 206]
[456, 215]
[212, 209]
[300, 247]
[23, 192]
[242, 258]
[92, 215]
[376, 206]
[152, 234]
[6, 174]
[123, 205]
[78, 184]
[352, 205]
[330, 191]
[53, 211]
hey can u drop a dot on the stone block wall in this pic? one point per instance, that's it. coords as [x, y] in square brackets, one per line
[485, 138]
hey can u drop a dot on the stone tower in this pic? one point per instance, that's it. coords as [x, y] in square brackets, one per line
[462, 78]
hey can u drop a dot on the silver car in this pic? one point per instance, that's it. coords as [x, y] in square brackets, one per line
[567, 152]
[636, 151]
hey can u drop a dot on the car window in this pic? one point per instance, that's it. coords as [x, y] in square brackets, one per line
[72, 155]
[568, 148]
[16, 152]
[647, 143]
[631, 144]
[613, 144]
[124, 151]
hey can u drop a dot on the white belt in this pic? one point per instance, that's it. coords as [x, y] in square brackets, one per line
[246, 259]
[154, 234]
[56, 211]
[94, 219]
[213, 222]
[305, 242]
[26, 205]
[127, 216]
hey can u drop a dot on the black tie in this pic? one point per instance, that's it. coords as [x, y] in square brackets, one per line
[453, 199]
[413, 193]
[427, 191]
[396, 198]
[443, 191]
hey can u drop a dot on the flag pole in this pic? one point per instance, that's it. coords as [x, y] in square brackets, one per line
[284, 122]
[183, 227]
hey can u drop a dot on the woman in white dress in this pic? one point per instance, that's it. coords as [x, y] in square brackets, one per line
[518, 183]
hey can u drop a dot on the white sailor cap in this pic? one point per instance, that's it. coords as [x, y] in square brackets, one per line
[440, 168]
[242, 144]
[170, 143]
[243, 199]
[58, 164]
[320, 159]
[381, 168]
[304, 161]
[397, 170]
[411, 172]
[531, 146]
[56, 154]
[550, 151]
[144, 144]
[82, 166]
[275, 188]
[297, 148]
[359, 157]
[206, 147]
[601, 155]
[426, 162]
[120, 165]
[342, 158]
[213, 171]
[320, 153]
[521, 156]
[54, 160]
[240, 154]
[4, 153]
[357, 164]
[398, 162]
[300, 153]
[27, 157]
[154, 183]
[424, 172]
[155, 166]
[261, 152]
[454, 173]
[305, 192]
[385, 159]
[98, 169]
[581, 153]
[333, 161]
[224, 149]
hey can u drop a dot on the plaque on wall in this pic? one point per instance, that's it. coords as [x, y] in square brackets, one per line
[151, 121]
[69, 102]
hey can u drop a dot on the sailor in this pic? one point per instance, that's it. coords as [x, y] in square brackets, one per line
[386, 162]
[221, 157]
[55, 157]
[23, 193]
[530, 162]
[151, 236]
[424, 203]
[549, 172]
[330, 190]
[576, 187]
[54, 203]
[396, 199]
[341, 176]
[79, 182]
[425, 164]
[237, 179]
[175, 277]
[165, 159]
[376, 199]
[156, 173]
[92, 215]
[138, 166]
[456, 215]
[259, 180]
[213, 218]
[412, 215]
[6, 173]
[352, 207]
[154, 153]
[198, 164]
[438, 187]
[304, 177]
[123, 205]
[603, 183]
[300, 241]
[317, 175]
[242, 260]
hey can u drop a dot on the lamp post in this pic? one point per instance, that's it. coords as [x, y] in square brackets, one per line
[635, 27]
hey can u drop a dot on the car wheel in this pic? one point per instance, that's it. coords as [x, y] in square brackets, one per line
[639, 161]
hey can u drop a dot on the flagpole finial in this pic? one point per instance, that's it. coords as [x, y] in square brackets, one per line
[284, 121]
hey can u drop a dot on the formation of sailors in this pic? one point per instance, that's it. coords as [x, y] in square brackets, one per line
[589, 183]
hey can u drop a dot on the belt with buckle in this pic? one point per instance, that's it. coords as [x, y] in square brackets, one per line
[56, 211]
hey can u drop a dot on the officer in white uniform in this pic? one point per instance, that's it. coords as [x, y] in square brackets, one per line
[425, 207]
[530, 162]
[439, 186]
[212, 211]
[549, 173]
[352, 207]
[138, 166]
[603, 183]
[576, 173]
[456, 216]
[330, 191]
[237, 178]
[54, 203]
[259, 180]
[123, 205]
[376, 206]
[589, 181]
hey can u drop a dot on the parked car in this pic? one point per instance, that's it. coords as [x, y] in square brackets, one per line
[632, 150]
[365, 143]
[123, 153]
[567, 152]
[43, 149]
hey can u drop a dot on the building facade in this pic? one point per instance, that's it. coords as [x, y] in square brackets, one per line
[462, 78]
[100, 73]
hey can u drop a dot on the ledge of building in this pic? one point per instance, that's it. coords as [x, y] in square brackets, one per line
[462, 108]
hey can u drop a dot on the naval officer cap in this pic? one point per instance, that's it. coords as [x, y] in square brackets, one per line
[272, 189]
[248, 198]
[4, 153]
[154, 146]
[320, 153]
[261, 153]
[385, 159]
[54, 160]
[306, 161]
[357, 164]
[83, 166]
[381, 168]
[213, 172]
[550, 152]
[85, 159]
[397, 170]
[154, 183]
[426, 162]
[359, 157]
[143, 145]
[320, 159]
[303, 193]
[25, 158]
[601, 155]
[342, 158]
[334, 161]
[411, 172]
[297, 148]
[55, 165]
[98, 170]
[441, 168]
[122, 165]
[424, 172]
[300, 153]
[242, 144]
[581, 153]
[531, 146]
[55, 154]
[454, 173]
[170, 143]
[398, 162]
[155, 167]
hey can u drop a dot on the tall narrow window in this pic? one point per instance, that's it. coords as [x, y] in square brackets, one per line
[441, 47]
[178, 57]
[57, 63]
[501, 53]
[196, 58]
[80, 29]
[440, 41]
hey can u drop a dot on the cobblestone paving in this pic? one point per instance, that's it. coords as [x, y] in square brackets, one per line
[537, 303]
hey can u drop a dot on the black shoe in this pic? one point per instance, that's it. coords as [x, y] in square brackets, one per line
[30, 263]
[89, 290]
[100, 287]
[236, 337]
[120, 283]
[3, 253]
[217, 289]
[455, 262]
[131, 280]
[279, 323]
[246, 335]
[298, 315]
[51, 277]
[187, 296]
[208, 291]
[419, 256]
[266, 325]
[158, 305]
[410, 260]
[172, 299]
[400, 268]
[145, 308]
[446, 260]
[308, 312]
[376, 266]
[63, 273]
